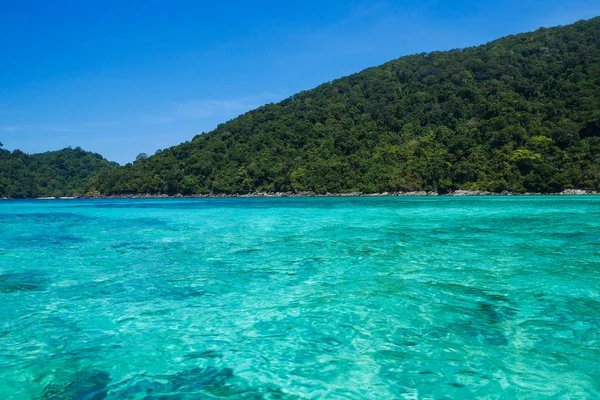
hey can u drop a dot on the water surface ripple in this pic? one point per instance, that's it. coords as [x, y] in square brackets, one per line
[345, 298]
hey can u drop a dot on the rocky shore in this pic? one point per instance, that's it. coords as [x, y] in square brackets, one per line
[456, 193]
[351, 194]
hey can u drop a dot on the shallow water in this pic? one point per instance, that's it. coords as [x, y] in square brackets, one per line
[346, 298]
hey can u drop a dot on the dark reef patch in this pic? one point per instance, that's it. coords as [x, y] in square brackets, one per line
[85, 385]
[22, 282]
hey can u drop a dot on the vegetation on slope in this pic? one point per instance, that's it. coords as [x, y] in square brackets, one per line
[53, 174]
[519, 114]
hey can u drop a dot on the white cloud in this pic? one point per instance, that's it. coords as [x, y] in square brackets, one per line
[6, 111]
[52, 129]
[155, 119]
[206, 108]
[58, 128]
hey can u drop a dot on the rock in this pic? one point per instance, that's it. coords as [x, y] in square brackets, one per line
[469, 193]
[412, 194]
[574, 192]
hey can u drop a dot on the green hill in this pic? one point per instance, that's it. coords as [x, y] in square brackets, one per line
[521, 113]
[53, 174]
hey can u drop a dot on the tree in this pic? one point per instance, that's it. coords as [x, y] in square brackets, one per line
[141, 156]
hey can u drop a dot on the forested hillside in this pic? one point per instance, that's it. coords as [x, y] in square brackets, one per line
[520, 114]
[54, 174]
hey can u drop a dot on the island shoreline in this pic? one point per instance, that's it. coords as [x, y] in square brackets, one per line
[455, 193]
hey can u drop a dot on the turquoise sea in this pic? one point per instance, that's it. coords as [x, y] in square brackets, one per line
[301, 298]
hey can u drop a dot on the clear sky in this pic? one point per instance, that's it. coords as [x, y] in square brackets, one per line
[125, 77]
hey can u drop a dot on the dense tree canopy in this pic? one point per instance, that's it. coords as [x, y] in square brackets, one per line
[53, 174]
[520, 114]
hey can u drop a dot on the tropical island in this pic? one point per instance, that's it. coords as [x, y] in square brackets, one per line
[63, 173]
[516, 115]
[277, 255]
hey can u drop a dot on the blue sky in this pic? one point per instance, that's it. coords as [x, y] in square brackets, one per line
[125, 77]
